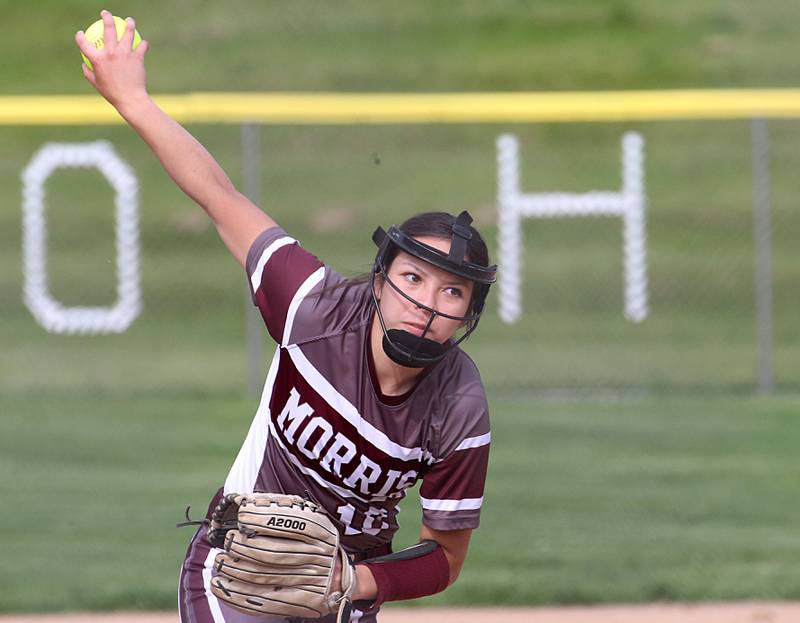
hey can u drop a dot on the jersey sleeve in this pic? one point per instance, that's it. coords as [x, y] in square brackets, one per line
[280, 273]
[452, 490]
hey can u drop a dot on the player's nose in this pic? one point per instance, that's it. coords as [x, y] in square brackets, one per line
[426, 296]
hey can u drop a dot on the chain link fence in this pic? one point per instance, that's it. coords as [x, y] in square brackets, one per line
[331, 185]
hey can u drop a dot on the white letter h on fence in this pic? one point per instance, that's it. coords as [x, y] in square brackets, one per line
[514, 205]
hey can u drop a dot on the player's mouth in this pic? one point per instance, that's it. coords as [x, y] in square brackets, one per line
[415, 328]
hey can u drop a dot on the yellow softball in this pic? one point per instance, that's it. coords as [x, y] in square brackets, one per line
[95, 35]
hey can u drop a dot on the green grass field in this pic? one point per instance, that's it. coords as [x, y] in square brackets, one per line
[630, 462]
[615, 498]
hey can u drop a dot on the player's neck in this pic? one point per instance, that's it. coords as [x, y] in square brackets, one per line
[393, 378]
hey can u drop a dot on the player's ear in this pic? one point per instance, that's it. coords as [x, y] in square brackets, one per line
[377, 285]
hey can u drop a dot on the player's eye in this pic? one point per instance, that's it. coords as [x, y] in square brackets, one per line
[411, 277]
[454, 292]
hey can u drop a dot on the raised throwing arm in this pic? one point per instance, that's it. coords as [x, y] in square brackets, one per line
[119, 76]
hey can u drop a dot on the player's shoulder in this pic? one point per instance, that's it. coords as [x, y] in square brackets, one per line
[460, 410]
[268, 241]
[334, 306]
[301, 297]
[460, 379]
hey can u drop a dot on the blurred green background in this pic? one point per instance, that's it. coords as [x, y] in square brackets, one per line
[629, 463]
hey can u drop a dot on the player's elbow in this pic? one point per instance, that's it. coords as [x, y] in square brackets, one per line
[238, 222]
[453, 543]
[455, 563]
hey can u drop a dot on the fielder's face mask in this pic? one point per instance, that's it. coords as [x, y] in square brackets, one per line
[417, 351]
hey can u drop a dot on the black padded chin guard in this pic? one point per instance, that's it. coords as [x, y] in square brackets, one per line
[411, 351]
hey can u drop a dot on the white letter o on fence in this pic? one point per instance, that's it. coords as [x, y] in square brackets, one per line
[52, 315]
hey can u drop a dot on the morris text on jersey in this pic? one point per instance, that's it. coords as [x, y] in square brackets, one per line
[312, 436]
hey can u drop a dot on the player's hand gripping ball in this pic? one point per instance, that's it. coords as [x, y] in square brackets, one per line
[94, 34]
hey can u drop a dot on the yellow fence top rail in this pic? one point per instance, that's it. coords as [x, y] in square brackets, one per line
[394, 108]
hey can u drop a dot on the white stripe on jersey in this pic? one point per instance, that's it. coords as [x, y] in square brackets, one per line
[211, 598]
[475, 442]
[244, 471]
[255, 278]
[466, 504]
[312, 280]
[376, 437]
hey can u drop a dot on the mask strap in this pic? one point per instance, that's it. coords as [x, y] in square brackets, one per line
[461, 235]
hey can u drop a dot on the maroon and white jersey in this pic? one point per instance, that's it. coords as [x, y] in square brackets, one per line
[323, 428]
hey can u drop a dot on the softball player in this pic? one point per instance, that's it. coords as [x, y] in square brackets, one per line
[367, 392]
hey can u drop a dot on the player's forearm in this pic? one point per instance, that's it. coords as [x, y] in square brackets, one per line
[365, 584]
[198, 175]
[186, 161]
[416, 571]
